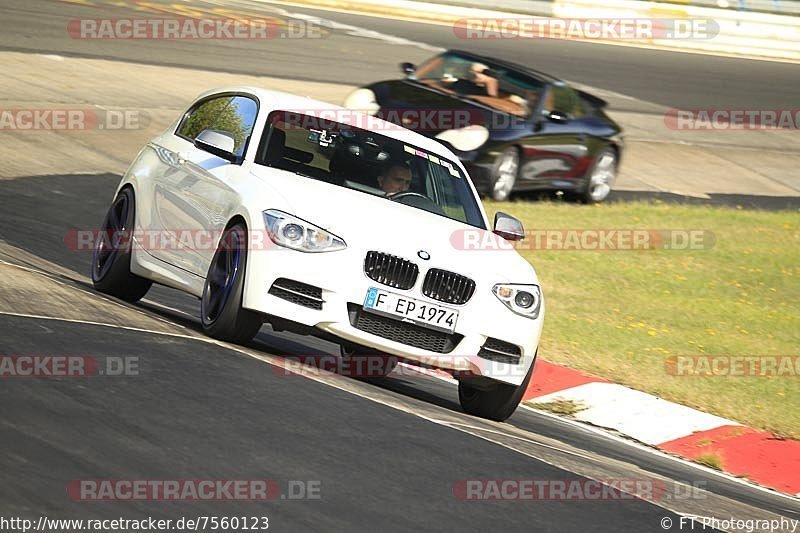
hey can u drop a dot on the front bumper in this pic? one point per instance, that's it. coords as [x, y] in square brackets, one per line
[344, 286]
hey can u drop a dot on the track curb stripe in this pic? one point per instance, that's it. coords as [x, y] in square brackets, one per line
[762, 457]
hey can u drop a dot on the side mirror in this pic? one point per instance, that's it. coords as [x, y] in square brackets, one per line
[408, 68]
[508, 227]
[219, 143]
[557, 116]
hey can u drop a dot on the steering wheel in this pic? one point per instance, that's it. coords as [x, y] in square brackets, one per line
[408, 194]
[415, 199]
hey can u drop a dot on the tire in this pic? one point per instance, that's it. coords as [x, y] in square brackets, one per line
[497, 402]
[221, 310]
[359, 359]
[111, 259]
[504, 174]
[601, 178]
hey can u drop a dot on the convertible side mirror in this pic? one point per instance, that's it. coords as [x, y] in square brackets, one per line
[219, 143]
[408, 68]
[508, 227]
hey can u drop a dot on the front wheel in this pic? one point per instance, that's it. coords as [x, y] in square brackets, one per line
[504, 174]
[221, 304]
[111, 260]
[602, 177]
[493, 400]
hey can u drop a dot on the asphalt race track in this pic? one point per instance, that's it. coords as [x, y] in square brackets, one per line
[674, 79]
[202, 411]
[386, 454]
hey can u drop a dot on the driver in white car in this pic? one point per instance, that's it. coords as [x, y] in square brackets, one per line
[395, 178]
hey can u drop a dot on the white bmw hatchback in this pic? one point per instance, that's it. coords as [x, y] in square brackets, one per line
[275, 208]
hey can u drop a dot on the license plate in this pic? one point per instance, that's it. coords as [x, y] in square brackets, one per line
[410, 310]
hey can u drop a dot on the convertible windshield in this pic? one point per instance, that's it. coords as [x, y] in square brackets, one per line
[369, 162]
[491, 85]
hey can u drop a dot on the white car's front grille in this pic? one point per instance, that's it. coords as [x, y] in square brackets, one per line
[390, 270]
[447, 286]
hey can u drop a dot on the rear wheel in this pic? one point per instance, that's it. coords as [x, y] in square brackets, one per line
[504, 174]
[602, 177]
[491, 399]
[221, 309]
[111, 260]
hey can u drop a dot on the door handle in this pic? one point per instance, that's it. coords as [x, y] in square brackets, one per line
[581, 137]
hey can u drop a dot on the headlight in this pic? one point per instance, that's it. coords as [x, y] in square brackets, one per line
[465, 139]
[362, 100]
[525, 300]
[297, 234]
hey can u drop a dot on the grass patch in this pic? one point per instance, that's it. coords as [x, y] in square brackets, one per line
[709, 459]
[621, 314]
[559, 407]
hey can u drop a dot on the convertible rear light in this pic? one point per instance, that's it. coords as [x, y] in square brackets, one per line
[448, 287]
[390, 270]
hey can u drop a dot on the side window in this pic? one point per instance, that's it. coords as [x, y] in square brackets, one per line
[233, 114]
[566, 100]
[238, 119]
[202, 117]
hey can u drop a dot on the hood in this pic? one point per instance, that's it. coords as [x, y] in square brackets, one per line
[366, 222]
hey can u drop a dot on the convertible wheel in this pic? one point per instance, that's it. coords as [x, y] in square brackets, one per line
[364, 363]
[495, 401]
[111, 260]
[221, 305]
[602, 177]
[504, 174]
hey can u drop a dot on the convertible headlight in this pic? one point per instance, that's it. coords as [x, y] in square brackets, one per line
[362, 100]
[297, 234]
[465, 139]
[525, 300]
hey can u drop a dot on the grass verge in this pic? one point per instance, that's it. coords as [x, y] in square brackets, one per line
[709, 459]
[559, 407]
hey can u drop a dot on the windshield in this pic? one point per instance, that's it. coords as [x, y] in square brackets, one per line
[368, 162]
[491, 85]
